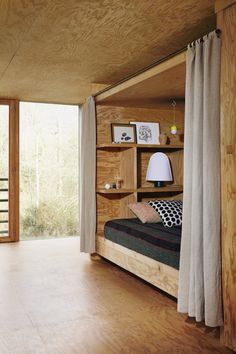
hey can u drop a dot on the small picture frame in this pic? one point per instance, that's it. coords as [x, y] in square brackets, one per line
[147, 132]
[123, 133]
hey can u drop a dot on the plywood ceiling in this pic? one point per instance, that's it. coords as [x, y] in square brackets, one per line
[52, 50]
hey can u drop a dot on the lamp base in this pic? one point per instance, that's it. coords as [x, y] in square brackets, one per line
[159, 184]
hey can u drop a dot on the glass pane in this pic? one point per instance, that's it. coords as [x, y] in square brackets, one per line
[49, 170]
[4, 168]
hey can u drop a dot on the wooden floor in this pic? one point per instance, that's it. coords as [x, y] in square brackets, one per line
[55, 300]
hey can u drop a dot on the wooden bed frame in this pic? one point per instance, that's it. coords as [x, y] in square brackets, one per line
[156, 273]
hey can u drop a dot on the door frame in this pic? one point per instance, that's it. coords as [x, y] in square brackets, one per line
[13, 179]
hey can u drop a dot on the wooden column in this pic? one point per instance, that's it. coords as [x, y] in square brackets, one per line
[226, 20]
[14, 188]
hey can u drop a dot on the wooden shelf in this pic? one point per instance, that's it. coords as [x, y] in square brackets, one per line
[115, 191]
[171, 188]
[115, 146]
[140, 146]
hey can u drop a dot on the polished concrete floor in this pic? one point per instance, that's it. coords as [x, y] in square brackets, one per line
[55, 300]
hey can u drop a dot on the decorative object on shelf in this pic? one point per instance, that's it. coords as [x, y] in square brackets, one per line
[107, 186]
[147, 132]
[163, 139]
[118, 182]
[113, 185]
[159, 169]
[123, 133]
[173, 128]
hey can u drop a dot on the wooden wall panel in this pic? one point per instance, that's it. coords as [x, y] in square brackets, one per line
[176, 160]
[227, 23]
[108, 166]
[223, 4]
[113, 206]
[108, 207]
[108, 114]
[128, 168]
[124, 210]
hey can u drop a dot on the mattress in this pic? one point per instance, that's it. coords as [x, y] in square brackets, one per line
[152, 240]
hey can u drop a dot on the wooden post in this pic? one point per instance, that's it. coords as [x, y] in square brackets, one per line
[226, 20]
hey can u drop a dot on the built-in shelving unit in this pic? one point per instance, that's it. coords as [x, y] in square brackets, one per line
[130, 162]
[144, 98]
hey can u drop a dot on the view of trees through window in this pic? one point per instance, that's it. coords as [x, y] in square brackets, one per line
[48, 170]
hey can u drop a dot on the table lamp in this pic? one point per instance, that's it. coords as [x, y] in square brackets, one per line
[159, 169]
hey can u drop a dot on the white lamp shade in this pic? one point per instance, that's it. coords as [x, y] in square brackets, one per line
[159, 168]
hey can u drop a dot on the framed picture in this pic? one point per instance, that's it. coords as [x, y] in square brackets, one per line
[147, 133]
[123, 133]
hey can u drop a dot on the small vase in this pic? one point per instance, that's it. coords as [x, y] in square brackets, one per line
[163, 139]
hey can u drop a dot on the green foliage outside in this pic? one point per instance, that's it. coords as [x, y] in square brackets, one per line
[54, 218]
[49, 171]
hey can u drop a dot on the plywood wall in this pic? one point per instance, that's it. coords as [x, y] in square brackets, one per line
[110, 114]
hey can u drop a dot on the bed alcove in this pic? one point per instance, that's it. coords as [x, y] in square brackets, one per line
[145, 97]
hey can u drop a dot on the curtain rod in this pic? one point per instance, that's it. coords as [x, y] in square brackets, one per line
[159, 61]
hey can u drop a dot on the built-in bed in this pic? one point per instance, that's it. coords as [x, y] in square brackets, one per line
[152, 240]
[150, 251]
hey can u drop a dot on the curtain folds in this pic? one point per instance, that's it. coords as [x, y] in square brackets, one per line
[88, 177]
[200, 263]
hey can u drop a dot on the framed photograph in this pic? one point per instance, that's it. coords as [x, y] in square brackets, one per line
[147, 133]
[123, 133]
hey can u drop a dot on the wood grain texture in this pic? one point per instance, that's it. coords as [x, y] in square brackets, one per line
[52, 50]
[152, 147]
[227, 23]
[14, 173]
[151, 87]
[220, 5]
[156, 273]
[128, 171]
[113, 206]
[130, 162]
[58, 301]
[116, 163]
[110, 114]
[108, 166]
[97, 87]
[13, 183]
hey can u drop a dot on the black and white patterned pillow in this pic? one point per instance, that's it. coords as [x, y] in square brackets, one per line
[170, 211]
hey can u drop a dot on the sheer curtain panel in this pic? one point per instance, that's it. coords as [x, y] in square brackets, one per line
[200, 261]
[88, 177]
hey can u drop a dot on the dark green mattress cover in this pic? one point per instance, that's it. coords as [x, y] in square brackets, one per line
[152, 240]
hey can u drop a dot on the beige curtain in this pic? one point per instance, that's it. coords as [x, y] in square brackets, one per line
[200, 263]
[87, 177]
